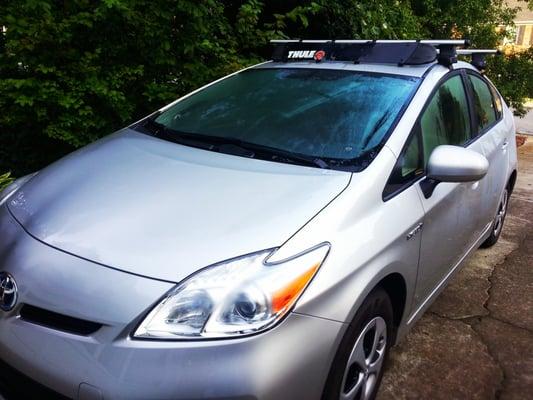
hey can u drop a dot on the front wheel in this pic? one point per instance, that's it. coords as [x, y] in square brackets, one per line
[499, 219]
[358, 365]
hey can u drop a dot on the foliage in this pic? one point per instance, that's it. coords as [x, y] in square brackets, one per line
[473, 19]
[368, 19]
[513, 75]
[476, 20]
[5, 180]
[75, 71]
[71, 72]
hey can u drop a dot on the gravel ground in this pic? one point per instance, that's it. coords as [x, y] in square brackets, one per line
[476, 341]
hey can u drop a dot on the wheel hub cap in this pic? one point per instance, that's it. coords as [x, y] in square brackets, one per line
[365, 361]
[500, 215]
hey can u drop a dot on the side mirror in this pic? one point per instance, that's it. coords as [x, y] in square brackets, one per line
[453, 164]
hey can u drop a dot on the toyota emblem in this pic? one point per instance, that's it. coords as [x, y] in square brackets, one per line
[8, 292]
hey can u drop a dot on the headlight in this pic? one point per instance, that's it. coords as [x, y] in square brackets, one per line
[233, 298]
[13, 187]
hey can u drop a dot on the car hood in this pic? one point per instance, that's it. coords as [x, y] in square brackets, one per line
[163, 210]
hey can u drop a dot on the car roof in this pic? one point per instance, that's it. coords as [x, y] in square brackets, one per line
[390, 69]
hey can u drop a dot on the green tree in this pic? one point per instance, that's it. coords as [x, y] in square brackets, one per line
[364, 19]
[473, 19]
[71, 72]
[5, 179]
[75, 71]
[477, 20]
[513, 75]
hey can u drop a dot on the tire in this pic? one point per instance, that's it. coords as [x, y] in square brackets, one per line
[348, 379]
[499, 219]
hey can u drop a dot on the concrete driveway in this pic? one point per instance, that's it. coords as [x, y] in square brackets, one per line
[476, 342]
[524, 125]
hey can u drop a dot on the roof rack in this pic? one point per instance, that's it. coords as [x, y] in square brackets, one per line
[478, 56]
[401, 52]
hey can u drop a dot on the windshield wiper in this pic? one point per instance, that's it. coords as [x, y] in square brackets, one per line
[287, 156]
[231, 145]
[273, 153]
[163, 132]
[149, 125]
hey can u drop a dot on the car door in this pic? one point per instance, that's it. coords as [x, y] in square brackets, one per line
[450, 211]
[491, 138]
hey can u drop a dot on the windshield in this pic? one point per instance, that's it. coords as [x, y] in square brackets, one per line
[328, 114]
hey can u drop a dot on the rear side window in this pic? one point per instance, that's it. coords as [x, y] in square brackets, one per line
[483, 103]
[445, 120]
[497, 102]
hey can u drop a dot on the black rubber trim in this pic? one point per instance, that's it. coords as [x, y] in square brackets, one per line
[58, 321]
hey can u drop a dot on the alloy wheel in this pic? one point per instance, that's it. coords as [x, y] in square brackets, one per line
[365, 361]
[500, 215]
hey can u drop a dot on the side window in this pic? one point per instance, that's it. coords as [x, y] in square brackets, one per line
[445, 120]
[497, 101]
[408, 167]
[483, 103]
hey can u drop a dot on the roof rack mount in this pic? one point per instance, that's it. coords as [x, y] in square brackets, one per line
[401, 52]
[478, 56]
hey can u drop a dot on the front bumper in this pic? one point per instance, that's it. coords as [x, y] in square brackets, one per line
[290, 361]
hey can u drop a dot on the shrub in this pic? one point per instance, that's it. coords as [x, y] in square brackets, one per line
[513, 76]
[5, 180]
[71, 72]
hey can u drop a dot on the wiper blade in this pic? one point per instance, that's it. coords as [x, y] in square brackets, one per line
[224, 143]
[151, 126]
[302, 160]
[231, 145]
[163, 132]
[281, 155]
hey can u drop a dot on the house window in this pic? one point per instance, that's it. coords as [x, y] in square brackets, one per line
[520, 30]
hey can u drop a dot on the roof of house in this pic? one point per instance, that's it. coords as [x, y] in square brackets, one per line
[524, 14]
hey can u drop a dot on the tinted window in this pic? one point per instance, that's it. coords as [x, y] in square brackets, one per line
[483, 103]
[497, 101]
[408, 167]
[446, 119]
[315, 112]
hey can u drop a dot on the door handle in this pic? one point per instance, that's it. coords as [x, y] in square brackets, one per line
[505, 144]
[415, 230]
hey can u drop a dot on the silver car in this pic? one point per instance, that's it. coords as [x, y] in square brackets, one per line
[268, 236]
